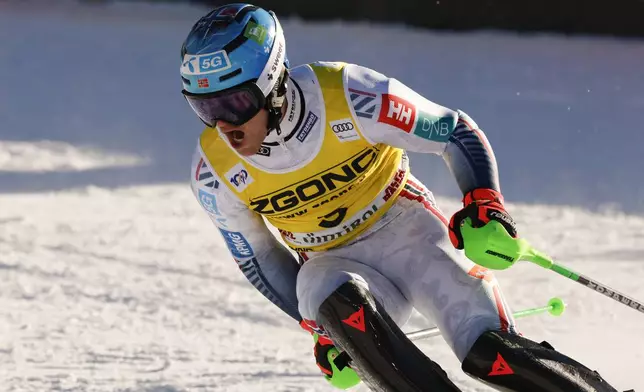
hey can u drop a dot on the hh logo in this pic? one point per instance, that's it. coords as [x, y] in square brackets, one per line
[397, 112]
[239, 177]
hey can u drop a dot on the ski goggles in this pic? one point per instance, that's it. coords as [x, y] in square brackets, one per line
[235, 105]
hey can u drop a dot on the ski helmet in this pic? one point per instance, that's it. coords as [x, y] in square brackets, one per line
[233, 64]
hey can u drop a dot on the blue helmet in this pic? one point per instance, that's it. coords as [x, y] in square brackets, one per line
[234, 44]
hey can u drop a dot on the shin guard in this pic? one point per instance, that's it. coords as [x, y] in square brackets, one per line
[382, 355]
[514, 363]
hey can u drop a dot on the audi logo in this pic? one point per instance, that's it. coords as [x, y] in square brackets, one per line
[342, 127]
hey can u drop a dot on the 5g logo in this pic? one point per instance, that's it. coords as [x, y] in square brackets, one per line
[205, 63]
[214, 62]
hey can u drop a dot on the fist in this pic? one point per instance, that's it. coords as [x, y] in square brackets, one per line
[480, 205]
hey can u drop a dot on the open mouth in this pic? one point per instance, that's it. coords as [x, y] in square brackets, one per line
[236, 138]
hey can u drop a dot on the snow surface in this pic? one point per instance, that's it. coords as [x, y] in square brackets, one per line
[113, 279]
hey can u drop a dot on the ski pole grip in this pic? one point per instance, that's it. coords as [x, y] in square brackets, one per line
[539, 258]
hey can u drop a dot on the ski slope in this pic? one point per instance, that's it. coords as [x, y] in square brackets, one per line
[113, 279]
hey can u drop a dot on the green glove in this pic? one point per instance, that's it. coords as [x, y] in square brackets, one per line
[491, 246]
[325, 355]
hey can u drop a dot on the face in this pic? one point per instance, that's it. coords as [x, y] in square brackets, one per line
[248, 137]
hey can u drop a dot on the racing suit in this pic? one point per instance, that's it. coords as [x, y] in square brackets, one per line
[336, 183]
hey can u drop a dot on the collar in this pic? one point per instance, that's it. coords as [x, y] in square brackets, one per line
[292, 118]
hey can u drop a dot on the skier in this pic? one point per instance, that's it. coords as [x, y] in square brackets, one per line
[318, 150]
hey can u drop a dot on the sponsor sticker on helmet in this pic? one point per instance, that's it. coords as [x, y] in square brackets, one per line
[275, 64]
[203, 83]
[344, 130]
[255, 32]
[201, 64]
[239, 177]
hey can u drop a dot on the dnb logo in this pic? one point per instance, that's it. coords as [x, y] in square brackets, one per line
[205, 63]
[404, 115]
[238, 245]
[239, 177]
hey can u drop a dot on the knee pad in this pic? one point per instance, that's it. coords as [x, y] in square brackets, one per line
[319, 278]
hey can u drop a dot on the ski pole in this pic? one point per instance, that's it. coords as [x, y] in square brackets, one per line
[544, 261]
[491, 246]
[555, 307]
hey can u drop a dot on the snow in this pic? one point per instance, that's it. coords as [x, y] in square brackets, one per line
[113, 279]
[52, 156]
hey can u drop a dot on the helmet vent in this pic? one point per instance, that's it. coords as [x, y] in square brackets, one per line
[230, 75]
[239, 40]
[235, 43]
[242, 12]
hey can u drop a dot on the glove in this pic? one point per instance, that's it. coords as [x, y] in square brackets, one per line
[481, 205]
[331, 362]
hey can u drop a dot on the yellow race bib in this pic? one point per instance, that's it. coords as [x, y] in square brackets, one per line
[337, 195]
